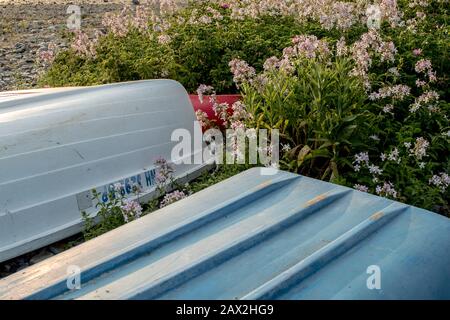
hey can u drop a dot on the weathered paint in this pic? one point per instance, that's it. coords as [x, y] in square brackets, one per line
[257, 237]
[58, 144]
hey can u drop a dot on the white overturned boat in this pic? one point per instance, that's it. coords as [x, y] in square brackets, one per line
[58, 144]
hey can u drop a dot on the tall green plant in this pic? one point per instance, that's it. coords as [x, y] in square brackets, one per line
[319, 109]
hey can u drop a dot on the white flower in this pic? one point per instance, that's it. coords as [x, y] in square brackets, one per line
[373, 169]
[164, 39]
[131, 210]
[424, 99]
[394, 71]
[362, 157]
[286, 147]
[386, 190]
[202, 90]
[341, 48]
[172, 197]
[398, 92]
[360, 187]
[388, 108]
[442, 181]
[118, 187]
[394, 155]
[420, 148]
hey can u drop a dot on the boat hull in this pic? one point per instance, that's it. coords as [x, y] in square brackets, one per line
[256, 236]
[57, 145]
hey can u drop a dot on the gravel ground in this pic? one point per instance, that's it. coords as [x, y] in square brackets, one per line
[28, 25]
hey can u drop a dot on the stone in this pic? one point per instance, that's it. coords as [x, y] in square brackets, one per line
[7, 267]
[56, 248]
[20, 47]
[21, 268]
[41, 256]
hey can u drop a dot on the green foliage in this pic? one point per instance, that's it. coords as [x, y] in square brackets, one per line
[204, 51]
[320, 111]
[196, 54]
[109, 216]
[134, 57]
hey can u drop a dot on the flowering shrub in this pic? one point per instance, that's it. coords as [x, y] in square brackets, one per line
[191, 44]
[164, 174]
[311, 98]
[131, 210]
[117, 209]
[368, 110]
[194, 43]
[113, 211]
[358, 90]
[129, 50]
[172, 197]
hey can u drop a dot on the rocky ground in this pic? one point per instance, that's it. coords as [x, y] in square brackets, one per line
[26, 26]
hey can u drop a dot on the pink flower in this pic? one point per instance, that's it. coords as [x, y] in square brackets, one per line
[442, 181]
[423, 65]
[164, 171]
[83, 46]
[363, 50]
[341, 48]
[388, 108]
[362, 157]
[308, 46]
[117, 23]
[361, 188]
[240, 111]
[398, 92]
[131, 210]
[202, 118]
[271, 64]
[375, 170]
[47, 56]
[391, 12]
[386, 190]
[202, 90]
[424, 99]
[118, 187]
[221, 110]
[420, 83]
[164, 39]
[242, 72]
[417, 52]
[141, 18]
[172, 197]
[419, 150]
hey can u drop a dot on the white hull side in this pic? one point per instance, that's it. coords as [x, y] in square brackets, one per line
[57, 145]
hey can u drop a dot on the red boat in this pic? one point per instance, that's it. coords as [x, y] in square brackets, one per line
[207, 106]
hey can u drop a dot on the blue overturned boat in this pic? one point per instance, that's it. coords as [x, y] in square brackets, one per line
[256, 236]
